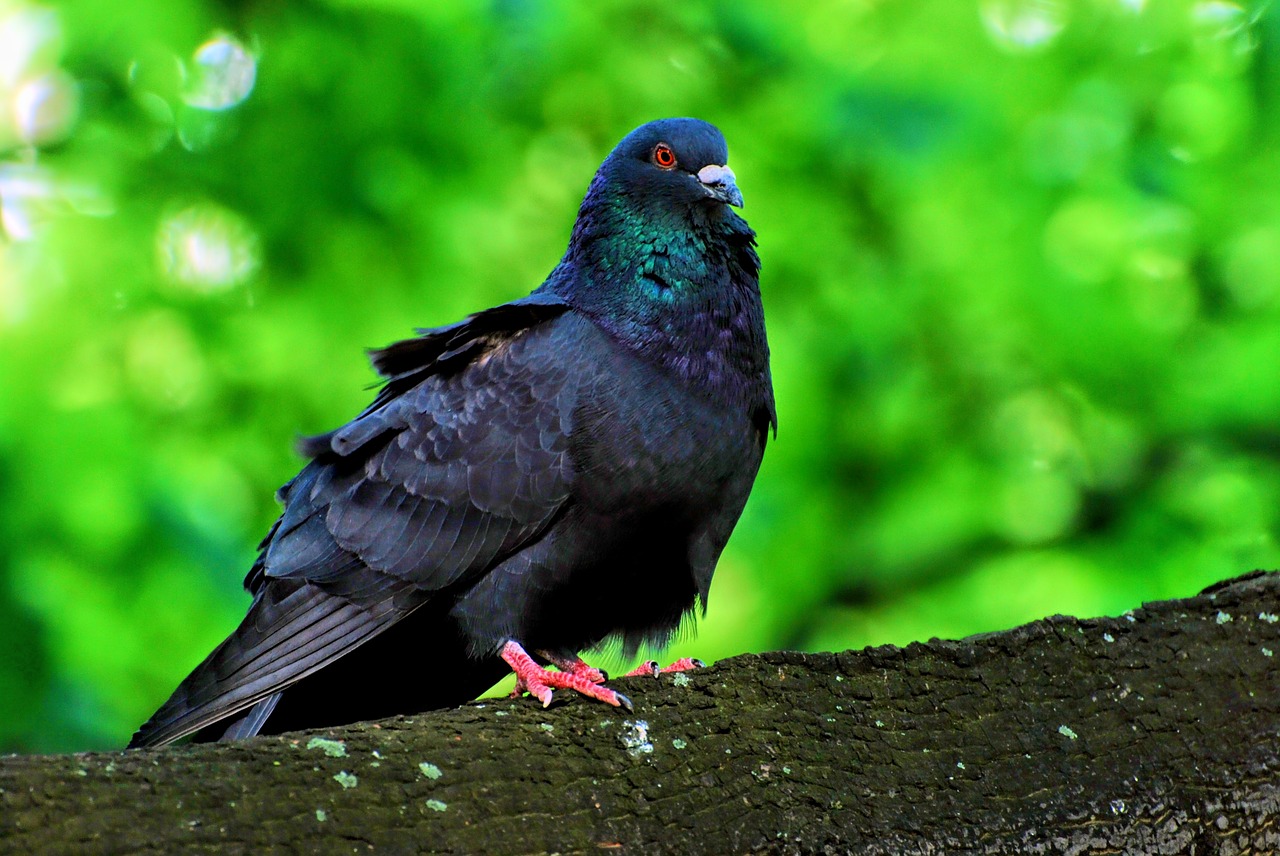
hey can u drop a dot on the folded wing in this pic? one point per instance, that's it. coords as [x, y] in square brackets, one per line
[460, 462]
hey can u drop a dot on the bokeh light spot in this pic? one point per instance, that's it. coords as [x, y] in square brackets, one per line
[45, 108]
[1022, 26]
[223, 74]
[25, 191]
[1217, 23]
[207, 248]
[30, 40]
[38, 101]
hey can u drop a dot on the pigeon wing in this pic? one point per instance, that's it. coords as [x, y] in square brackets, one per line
[460, 462]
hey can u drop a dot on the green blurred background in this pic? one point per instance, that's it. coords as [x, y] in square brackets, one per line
[1021, 270]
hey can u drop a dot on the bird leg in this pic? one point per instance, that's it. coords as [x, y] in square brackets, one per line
[652, 669]
[540, 682]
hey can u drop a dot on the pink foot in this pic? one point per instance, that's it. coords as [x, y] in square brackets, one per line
[651, 668]
[540, 682]
[576, 666]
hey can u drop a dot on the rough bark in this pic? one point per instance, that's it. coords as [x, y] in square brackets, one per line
[1154, 732]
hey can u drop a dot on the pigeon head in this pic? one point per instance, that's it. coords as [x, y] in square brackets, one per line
[674, 160]
[666, 180]
[659, 257]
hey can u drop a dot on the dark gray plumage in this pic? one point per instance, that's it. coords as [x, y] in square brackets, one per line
[550, 472]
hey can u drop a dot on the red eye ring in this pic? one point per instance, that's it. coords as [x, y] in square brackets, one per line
[664, 157]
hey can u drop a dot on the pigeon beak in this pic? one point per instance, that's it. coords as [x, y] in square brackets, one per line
[720, 184]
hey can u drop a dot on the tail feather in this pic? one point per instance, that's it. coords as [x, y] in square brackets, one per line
[421, 663]
[292, 630]
[252, 720]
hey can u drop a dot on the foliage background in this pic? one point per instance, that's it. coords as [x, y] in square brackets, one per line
[1022, 276]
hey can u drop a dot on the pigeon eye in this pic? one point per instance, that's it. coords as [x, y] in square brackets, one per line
[663, 156]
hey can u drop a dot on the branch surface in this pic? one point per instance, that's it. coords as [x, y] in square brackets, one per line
[1155, 732]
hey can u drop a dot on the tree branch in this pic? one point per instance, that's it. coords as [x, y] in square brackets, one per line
[1154, 732]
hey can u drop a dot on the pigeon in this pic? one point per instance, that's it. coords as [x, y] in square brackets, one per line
[528, 483]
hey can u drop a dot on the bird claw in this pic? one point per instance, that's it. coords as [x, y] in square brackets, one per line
[576, 675]
[649, 668]
[541, 683]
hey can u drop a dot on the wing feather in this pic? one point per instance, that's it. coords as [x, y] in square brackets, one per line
[454, 466]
